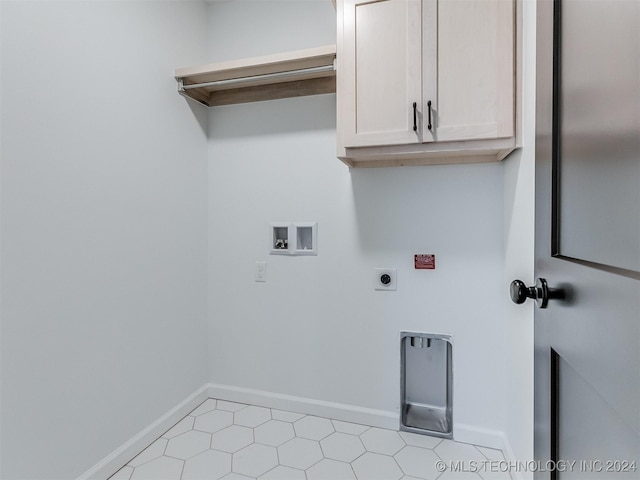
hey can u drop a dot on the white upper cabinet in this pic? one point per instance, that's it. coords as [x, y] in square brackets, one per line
[475, 74]
[453, 59]
[382, 71]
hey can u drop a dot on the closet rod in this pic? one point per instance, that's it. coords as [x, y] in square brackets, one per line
[266, 76]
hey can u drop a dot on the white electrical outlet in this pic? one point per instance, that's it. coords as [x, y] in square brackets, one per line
[385, 279]
[260, 272]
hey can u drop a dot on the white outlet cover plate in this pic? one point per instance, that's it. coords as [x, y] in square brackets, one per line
[392, 285]
[260, 272]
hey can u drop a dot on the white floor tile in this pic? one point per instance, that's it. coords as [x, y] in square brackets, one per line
[209, 465]
[230, 406]
[451, 451]
[283, 473]
[342, 447]
[274, 433]
[373, 466]
[188, 445]
[313, 428]
[491, 453]
[488, 474]
[232, 439]
[123, 474]
[459, 476]
[252, 416]
[352, 428]
[424, 441]
[163, 468]
[204, 407]
[236, 476]
[299, 453]
[255, 460]
[182, 426]
[330, 470]
[379, 440]
[418, 462]
[153, 451]
[213, 421]
[286, 416]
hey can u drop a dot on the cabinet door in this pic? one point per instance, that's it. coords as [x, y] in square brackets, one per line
[473, 95]
[379, 72]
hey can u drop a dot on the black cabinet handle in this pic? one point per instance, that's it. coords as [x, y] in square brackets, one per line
[429, 111]
[415, 119]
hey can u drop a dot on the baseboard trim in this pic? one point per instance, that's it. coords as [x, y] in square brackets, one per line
[307, 406]
[482, 437]
[348, 413]
[490, 439]
[510, 456]
[119, 457]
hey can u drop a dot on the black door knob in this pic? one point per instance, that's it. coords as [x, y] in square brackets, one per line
[539, 292]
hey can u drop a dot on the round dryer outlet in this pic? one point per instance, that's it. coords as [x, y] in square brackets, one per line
[385, 279]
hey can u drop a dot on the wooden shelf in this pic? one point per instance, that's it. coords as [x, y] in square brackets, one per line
[283, 75]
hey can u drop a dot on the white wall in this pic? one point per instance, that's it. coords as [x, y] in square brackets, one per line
[103, 227]
[317, 329]
[519, 223]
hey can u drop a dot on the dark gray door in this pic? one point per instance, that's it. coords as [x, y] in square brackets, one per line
[587, 345]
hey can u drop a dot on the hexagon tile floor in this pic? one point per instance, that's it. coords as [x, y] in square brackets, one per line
[232, 441]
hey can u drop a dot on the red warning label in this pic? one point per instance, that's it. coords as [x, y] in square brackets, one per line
[425, 261]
